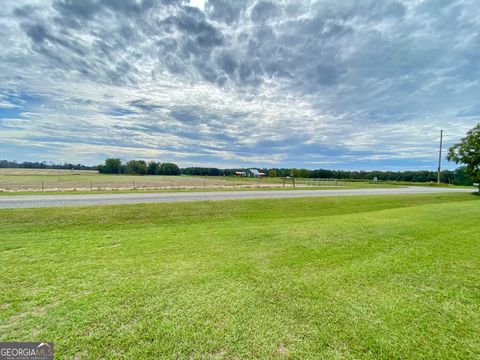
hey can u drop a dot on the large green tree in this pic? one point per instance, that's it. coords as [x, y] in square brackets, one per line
[467, 152]
[153, 168]
[112, 166]
[169, 169]
[136, 167]
[272, 173]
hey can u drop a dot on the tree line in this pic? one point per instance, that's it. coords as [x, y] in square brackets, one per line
[457, 177]
[5, 164]
[138, 167]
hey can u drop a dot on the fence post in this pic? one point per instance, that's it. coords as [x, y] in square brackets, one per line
[283, 182]
[171, 184]
[204, 183]
[43, 186]
[91, 186]
[133, 184]
[293, 183]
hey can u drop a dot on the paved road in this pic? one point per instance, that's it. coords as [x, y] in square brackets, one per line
[27, 201]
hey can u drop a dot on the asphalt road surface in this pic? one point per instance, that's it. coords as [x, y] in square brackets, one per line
[28, 201]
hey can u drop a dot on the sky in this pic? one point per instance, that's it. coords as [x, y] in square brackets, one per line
[336, 84]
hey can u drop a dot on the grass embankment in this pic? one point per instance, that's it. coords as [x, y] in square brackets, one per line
[357, 277]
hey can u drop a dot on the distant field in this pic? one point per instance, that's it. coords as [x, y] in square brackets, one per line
[66, 180]
[33, 180]
[384, 277]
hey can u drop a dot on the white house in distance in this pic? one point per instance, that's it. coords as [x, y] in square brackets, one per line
[250, 172]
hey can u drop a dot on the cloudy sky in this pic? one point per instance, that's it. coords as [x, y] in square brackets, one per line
[364, 84]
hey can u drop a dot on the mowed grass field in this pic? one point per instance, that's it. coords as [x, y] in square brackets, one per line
[381, 277]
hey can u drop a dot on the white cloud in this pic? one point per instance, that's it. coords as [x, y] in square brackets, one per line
[198, 3]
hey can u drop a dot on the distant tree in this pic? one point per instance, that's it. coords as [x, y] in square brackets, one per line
[112, 166]
[136, 167]
[300, 173]
[467, 152]
[153, 168]
[305, 173]
[169, 169]
[272, 173]
[203, 171]
[321, 173]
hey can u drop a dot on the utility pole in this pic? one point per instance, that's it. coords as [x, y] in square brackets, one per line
[440, 157]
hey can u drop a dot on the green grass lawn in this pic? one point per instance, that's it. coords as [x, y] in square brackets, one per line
[380, 277]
